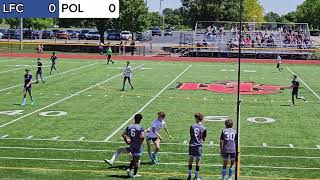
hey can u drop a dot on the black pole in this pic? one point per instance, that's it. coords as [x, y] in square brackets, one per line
[238, 93]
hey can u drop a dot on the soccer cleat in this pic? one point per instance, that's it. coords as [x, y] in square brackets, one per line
[136, 176]
[23, 104]
[304, 99]
[122, 90]
[154, 157]
[196, 178]
[189, 178]
[129, 173]
[230, 178]
[108, 162]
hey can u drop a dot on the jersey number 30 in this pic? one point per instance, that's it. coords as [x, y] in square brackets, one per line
[229, 136]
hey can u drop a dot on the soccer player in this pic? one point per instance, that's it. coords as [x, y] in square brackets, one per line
[109, 54]
[154, 135]
[228, 142]
[136, 134]
[198, 134]
[295, 89]
[127, 75]
[279, 63]
[132, 46]
[27, 87]
[39, 71]
[53, 61]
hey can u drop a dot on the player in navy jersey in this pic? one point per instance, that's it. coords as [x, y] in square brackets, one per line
[136, 135]
[228, 142]
[27, 87]
[53, 62]
[198, 134]
[295, 89]
[39, 71]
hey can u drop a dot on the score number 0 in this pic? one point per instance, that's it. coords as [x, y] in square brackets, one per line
[52, 8]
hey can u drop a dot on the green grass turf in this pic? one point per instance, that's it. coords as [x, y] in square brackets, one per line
[98, 112]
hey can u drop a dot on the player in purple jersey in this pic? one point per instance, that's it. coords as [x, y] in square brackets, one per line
[27, 87]
[228, 142]
[136, 135]
[53, 62]
[198, 134]
[39, 71]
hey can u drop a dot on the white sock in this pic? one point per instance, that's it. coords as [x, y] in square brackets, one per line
[114, 156]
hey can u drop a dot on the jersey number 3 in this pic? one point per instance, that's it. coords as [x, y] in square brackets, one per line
[229, 136]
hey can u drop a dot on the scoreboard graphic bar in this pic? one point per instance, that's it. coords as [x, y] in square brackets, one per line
[59, 8]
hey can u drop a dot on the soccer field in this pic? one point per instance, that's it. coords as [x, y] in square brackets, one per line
[79, 115]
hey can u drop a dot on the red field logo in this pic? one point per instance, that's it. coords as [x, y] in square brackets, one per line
[230, 87]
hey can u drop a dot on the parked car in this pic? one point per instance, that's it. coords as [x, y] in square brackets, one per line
[30, 34]
[156, 31]
[47, 34]
[73, 33]
[144, 36]
[2, 31]
[63, 35]
[125, 35]
[114, 36]
[55, 32]
[11, 34]
[83, 33]
[168, 32]
[94, 35]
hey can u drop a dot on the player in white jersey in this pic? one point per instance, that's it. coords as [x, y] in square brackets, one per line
[279, 62]
[155, 137]
[127, 75]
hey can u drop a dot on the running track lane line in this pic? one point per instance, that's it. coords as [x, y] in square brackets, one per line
[64, 99]
[176, 164]
[146, 105]
[172, 153]
[305, 84]
[165, 174]
[82, 67]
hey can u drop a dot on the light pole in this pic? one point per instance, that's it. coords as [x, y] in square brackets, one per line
[161, 14]
[254, 22]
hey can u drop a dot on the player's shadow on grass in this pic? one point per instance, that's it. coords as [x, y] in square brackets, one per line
[119, 176]
[121, 167]
[17, 104]
[286, 105]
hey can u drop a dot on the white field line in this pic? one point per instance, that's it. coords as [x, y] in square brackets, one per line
[264, 145]
[178, 164]
[29, 137]
[82, 138]
[4, 136]
[170, 153]
[318, 147]
[146, 105]
[11, 87]
[291, 146]
[64, 99]
[305, 84]
[7, 60]
[162, 143]
[2, 72]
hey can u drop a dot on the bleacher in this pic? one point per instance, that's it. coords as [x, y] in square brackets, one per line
[259, 40]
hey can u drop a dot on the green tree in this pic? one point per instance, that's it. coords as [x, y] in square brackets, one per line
[253, 11]
[209, 10]
[172, 17]
[31, 23]
[154, 19]
[309, 12]
[272, 17]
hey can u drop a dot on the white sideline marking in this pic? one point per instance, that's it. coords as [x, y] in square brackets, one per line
[11, 70]
[146, 105]
[162, 152]
[318, 146]
[4, 136]
[164, 143]
[82, 138]
[64, 99]
[55, 138]
[11, 87]
[264, 144]
[184, 142]
[305, 84]
[29, 137]
[7, 60]
[178, 164]
[291, 146]
[211, 142]
[89, 95]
